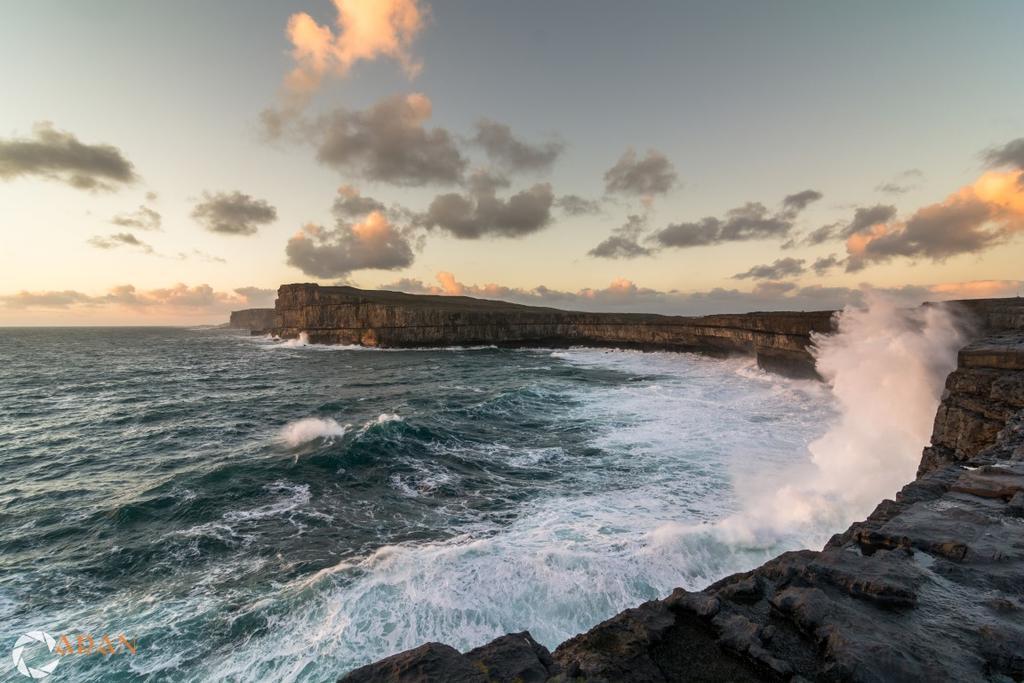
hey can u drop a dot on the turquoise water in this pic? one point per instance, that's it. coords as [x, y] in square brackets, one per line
[248, 509]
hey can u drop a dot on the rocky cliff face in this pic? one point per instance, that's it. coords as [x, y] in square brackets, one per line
[929, 587]
[252, 319]
[345, 315]
[982, 394]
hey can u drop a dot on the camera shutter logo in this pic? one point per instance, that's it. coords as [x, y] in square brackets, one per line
[27, 640]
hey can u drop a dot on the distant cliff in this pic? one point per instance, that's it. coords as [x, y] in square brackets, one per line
[929, 587]
[346, 315]
[253, 319]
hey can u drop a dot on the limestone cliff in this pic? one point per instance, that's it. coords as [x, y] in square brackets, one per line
[929, 587]
[252, 319]
[345, 315]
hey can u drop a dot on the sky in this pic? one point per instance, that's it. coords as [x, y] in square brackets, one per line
[165, 163]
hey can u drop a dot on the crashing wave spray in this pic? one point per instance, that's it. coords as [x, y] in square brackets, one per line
[886, 367]
[308, 429]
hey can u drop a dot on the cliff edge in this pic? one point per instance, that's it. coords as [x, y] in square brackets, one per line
[929, 587]
[346, 315]
[256, 320]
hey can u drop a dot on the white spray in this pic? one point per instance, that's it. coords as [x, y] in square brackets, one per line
[886, 366]
[294, 434]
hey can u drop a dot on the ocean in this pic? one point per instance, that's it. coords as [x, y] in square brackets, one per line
[242, 508]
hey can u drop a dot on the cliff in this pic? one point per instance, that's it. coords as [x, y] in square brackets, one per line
[929, 587]
[252, 319]
[345, 315]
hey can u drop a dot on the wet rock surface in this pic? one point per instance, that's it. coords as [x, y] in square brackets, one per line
[513, 658]
[929, 587]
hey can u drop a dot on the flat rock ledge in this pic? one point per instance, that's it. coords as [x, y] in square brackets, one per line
[930, 587]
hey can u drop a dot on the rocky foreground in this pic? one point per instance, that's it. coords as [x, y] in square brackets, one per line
[930, 587]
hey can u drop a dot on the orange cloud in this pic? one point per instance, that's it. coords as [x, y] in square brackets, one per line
[1002, 189]
[366, 29]
[178, 298]
[977, 289]
[449, 285]
[976, 217]
[857, 243]
[619, 288]
[374, 227]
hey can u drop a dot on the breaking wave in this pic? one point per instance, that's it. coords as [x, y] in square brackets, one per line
[886, 367]
[308, 429]
[440, 495]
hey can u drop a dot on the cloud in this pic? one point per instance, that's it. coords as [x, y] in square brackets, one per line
[624, 241]
[815, 237]
[388, 143]
[201, 255]
[257, 297]
[233, 213]
[1011, 154]
[625, 295]
[825, 263]
[866, 218]
[894, 188]
[903, 183]
[179, 297]
[799, 201]
[509, 152]
[58, 155]
[780, 268]
[120, 239]
[619, 292]
[752, 221]
[143, 218]
[350, 204]
[336, 252]
[654, 174]
[977, 289]
[364, 30]
[977, 217]
[575, 205]
[481, 213]
[45, 299]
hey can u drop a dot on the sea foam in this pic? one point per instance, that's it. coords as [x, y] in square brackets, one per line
[886, 367]
[663, 448]
[308, 429]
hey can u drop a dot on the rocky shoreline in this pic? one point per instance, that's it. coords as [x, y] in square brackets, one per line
[929, 587]
[346, 315]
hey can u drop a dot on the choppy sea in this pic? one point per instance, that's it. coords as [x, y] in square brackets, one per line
[242, 508]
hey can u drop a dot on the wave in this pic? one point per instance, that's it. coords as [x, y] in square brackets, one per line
[299, 342]
[295, 434]
[381, 419]
[659, 436]
[561, 567]
[886, 367]
[271, 342]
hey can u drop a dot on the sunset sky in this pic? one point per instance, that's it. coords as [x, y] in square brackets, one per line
[169, 162]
